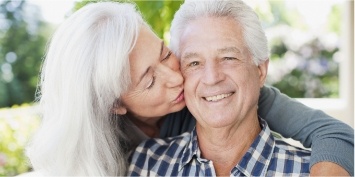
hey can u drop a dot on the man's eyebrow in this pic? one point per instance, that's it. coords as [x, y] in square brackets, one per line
[222, 50]
[189, 55]
[229, 49]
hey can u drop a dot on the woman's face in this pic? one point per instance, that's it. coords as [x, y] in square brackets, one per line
[156, 82]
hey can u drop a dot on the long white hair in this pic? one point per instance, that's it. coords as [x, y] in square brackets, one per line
[254, 35]
[85, 70]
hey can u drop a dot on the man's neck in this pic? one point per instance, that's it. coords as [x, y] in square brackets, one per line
[226, 146]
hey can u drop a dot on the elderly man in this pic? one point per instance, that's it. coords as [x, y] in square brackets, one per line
[224, 60]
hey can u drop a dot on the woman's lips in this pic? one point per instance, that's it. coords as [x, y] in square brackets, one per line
[179, 98]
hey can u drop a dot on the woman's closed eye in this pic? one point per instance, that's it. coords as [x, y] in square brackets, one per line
[151, 83]
[167, 56]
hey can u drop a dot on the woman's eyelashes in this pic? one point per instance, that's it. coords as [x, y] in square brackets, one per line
[151, 83]
[167, 56]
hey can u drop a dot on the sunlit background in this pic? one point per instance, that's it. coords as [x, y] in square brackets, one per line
[307, 43]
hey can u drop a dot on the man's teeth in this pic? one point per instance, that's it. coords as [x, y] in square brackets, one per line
[218, 97]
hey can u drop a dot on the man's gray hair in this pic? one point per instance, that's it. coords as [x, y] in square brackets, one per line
[254, 35]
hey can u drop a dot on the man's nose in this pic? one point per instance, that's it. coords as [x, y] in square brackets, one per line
[212, 73]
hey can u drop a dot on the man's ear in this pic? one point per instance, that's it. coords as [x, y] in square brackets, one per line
[263, 67]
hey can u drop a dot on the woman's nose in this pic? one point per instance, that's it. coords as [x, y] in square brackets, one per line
[173, 63]
[171, 72]
[174, 79]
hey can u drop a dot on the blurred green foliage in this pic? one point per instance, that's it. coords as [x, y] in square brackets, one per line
[304, 61]
[22, 43]
[158, 14]
[17, 125]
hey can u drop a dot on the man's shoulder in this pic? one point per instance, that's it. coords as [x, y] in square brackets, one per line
[160, 146]
[284, 147]
[154, 156]
[289, 155]
[289, 160]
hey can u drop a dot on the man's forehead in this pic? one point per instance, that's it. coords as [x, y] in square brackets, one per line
[229, 49]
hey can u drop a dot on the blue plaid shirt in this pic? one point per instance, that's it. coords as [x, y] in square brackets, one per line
[181, 156]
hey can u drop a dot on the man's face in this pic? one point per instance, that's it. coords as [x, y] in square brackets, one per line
[222, 83]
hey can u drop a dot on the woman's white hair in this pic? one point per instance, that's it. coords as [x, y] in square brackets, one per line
[85, 70]
[254, 36]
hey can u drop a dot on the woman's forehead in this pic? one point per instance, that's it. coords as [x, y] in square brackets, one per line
[145, 54]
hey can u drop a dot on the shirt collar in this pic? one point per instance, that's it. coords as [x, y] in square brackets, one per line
[256, 160]
[191, 150]
[260, 152]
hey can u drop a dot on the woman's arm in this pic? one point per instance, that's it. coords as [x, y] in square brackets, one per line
[330, 139]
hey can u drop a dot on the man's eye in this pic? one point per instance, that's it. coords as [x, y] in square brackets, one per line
[194, 63]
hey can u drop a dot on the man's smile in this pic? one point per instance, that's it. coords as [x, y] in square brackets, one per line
[217, 97]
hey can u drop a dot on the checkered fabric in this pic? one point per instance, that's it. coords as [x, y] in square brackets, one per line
[181, 156]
